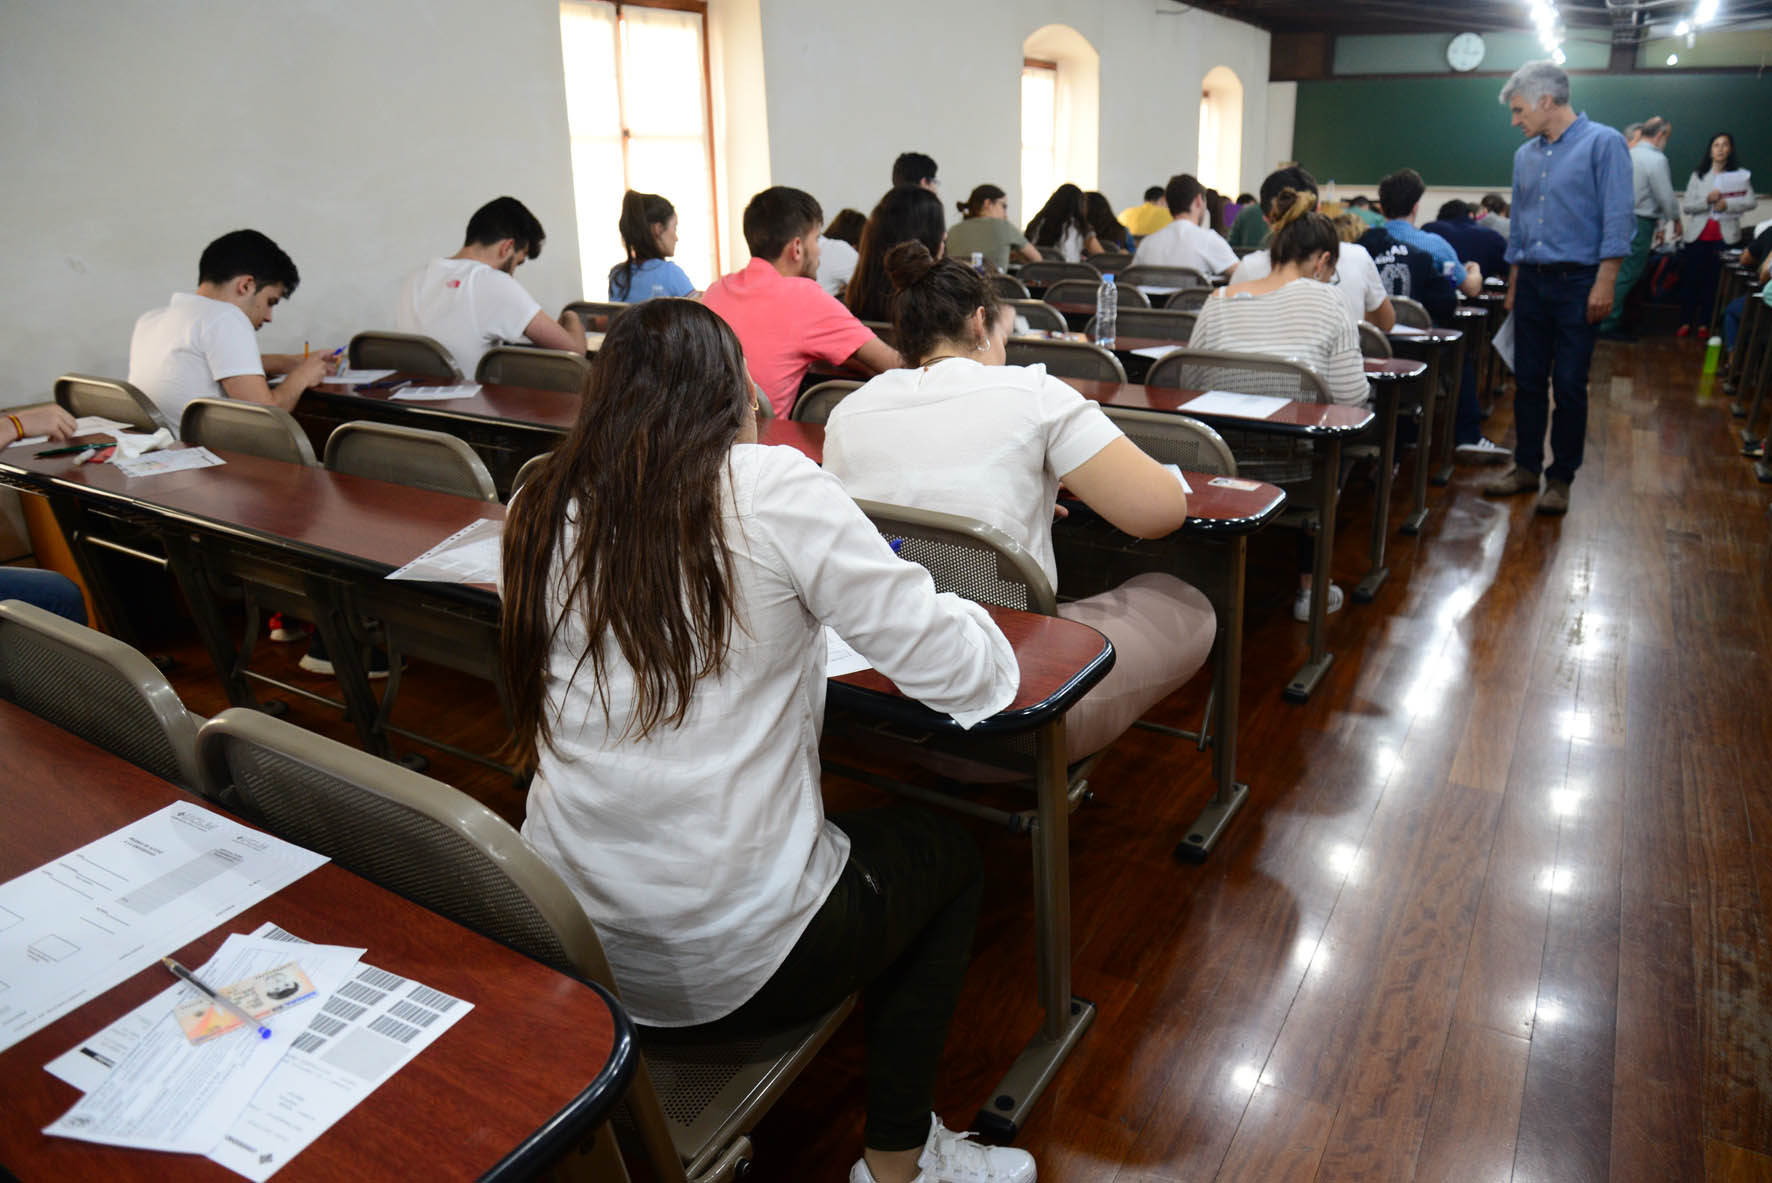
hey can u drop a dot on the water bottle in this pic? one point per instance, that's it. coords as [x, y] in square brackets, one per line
[978, 261]
[1712, 354]
[1107, 312]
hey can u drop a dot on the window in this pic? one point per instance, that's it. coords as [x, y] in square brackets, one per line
[637, 108]
[1221, 131]
[1039, 133]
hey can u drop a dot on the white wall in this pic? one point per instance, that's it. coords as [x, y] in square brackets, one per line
[1282, 116]
[360, 136]
[852, 85]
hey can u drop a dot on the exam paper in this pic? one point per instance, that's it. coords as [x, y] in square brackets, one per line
[426, 394]
[1402, 330]
[78, 925]
[1154, 290]
[167, 1093]
[84, 425]
[839, 657]
[156, 463]
[1230, 403]
[470, 555]
[371, 1027]
[1175, 471]
[346, 377]
[1154, 351]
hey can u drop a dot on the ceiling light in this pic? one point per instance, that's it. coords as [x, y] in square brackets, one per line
[1681, 29]
[1707, 12]
[1673, 59]
[1558, 56]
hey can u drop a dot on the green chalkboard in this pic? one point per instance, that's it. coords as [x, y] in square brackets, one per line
[1455, 133]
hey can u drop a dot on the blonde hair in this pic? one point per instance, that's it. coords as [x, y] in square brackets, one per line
[1349, 227]
[1289, 205]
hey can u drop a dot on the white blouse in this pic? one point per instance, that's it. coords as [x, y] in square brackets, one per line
[702, 852]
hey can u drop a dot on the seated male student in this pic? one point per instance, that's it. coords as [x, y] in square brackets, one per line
[784, 320]
[915, 168]
[1186, 241]
[1757, 254]
[1399, 199]
[1473, 243]
[471, 301]
[201, 345]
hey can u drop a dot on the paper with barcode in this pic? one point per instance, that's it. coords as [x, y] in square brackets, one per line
[166, 1093]
[173, 460]
[371, 1027]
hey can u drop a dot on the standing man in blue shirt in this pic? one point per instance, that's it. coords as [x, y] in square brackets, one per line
[1572, 225]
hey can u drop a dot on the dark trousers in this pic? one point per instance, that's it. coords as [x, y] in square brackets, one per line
[1732, 320]
[1467, 428]
[1553, 344]
[898, 927]
[1700, 268]
[1630, 271]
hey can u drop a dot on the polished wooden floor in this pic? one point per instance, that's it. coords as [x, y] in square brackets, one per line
[1499, 905]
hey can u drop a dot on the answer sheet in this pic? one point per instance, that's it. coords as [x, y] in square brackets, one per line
[1230, 403]
[79, 924]
[167, 1093]
[169, 460]
[371, 1027]
[348, 377]
[426, 394]
[470, 555]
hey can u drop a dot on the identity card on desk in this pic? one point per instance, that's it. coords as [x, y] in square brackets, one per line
[79, 924]
[372, 1026]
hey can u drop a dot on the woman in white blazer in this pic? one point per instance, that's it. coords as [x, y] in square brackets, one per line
[1717, 194]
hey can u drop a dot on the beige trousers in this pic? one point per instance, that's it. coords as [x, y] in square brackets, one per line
[1162, 631]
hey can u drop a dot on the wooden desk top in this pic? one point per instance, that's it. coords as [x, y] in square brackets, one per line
[537, 1047]
[1295, 418]
[1433, 336]
[1394, 369]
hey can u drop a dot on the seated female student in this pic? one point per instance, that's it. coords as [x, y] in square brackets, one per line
[964, 433]
[907, 213]
[1291, 312]
[1063, 224]
[1110, 232]
[986, 230]
[49, 590]
[665, 582]
[838, 248]
[649, 232]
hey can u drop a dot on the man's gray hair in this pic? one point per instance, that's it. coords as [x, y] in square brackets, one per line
[1635, 129]
[1536, 80]
[1654, 126]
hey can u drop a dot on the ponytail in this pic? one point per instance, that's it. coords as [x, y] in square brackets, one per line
[639, 213]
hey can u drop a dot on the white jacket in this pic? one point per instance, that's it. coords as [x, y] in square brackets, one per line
[1697, 213]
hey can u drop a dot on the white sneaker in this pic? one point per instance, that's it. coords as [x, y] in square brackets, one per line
[1301, 604]
[950, 1157]
[1483, 451]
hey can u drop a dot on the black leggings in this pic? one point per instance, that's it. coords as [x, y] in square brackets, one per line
[897, 926]
[1700, 268]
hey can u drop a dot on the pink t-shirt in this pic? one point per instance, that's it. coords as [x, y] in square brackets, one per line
[785, 324]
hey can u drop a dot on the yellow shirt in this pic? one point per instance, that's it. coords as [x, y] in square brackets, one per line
[1145, 218]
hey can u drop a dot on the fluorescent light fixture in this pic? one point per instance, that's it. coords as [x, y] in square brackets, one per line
[1558, 56]
[1683, 28]
[1707, 12]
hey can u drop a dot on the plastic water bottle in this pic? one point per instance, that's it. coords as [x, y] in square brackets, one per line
[1713, 353]
[1107, 312]
[978, 261]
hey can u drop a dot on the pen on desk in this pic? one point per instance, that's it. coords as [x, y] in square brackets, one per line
[70, 450]
[222, 1000]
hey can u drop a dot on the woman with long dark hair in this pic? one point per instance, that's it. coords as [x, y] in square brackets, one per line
[649, 234]
[963, 432]
[1110, 232]
[985, 229]
[1063, 224]
[838, 248]
[908, 213]
[1717, 194]
[665, 585]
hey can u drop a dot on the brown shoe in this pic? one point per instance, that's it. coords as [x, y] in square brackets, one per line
[1555, 498]
[1514, 480]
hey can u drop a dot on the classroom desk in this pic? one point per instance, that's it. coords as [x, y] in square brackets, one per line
[350, 532]
[531, 1070]
[1389, 377]
[1437, 348]
[1327, 426]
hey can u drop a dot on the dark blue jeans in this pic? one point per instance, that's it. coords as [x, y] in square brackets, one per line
[1553, 344]
[46, 589]
[1732, 320]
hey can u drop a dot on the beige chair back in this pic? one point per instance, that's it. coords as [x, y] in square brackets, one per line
[1246, 373]
[883, 329]
[539, 369]
[1008, 287]
[527, 473]
[815, 405]
[1067, 359]
[587, 309]
[235, 426]
[410, 353]
[1111, 262]
[1051, 271]
[1373, 342]
[1162, 277]
[1175, 439]
[1041, 316]
[409, 456]
[1188, 299]
[1162, 323]
[1083, 291]
[87, 394]
[966, 557]
[1412, 313]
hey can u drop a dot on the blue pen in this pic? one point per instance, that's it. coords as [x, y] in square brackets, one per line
[222, 1000]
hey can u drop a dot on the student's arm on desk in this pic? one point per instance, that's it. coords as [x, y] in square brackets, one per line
[568, 333]
[1384, 316]
[285, 363]
[1132, 491]
[877, 357]
[252, 388]
[1028, 253]
[49, 420]
[1472, 283]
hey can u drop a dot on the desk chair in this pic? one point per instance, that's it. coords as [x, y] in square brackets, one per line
[527, 473]
[1411, 313]
[1261, 456]
[1053, 270]
[541, 369]
[254, 428]
[1155, 276]
[1067, 359]
[815, 405]
[412, 456]
[883, 329]
[1165, 324]
[1188, 299]
[1111, 262]
[411, 353]
[587, 309]
[692, 1109]
[1041, 316]
[1373, 342]
[1008, 287]
[98, 688]
[1085, 291]
[85, 394]
[1050, 254]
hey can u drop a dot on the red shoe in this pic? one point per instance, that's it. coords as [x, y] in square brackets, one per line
[1704, 332]
[1683, 331]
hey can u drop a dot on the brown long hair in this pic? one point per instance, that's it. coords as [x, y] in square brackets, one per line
[907, 213]
[648, 566]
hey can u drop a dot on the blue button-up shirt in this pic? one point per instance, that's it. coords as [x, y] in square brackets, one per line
[1573, 197]
[1430, 244]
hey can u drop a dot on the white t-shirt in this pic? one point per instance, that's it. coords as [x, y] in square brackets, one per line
[184, 350]
[466, 306]
[701, 852]
[836, 263]
[984, 442]
[1183, 244]
[1356, 279]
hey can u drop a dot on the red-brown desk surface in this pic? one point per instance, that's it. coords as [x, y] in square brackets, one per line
[530, 1047]
[1295, 417]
